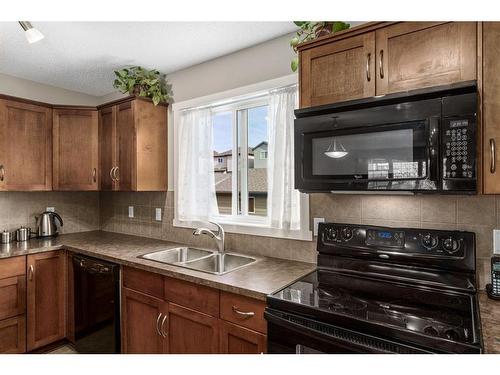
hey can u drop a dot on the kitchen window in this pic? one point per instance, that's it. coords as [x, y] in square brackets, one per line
[251, 191]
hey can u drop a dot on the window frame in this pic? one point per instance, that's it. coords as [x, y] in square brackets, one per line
[250, 224]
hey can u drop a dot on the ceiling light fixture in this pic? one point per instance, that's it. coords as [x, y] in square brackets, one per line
[336, 152]
[32, 35]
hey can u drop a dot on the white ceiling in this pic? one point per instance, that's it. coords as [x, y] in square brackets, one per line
[81, 56]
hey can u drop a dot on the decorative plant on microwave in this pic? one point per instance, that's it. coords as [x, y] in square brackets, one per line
[138, 81]
[310, 30]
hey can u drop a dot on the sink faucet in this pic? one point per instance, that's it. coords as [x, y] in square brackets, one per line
[218, 236]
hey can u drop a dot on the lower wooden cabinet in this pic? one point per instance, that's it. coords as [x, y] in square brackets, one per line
[239, 340]
[141, 319]
[191, 332]
[45, 298]
[13, 335]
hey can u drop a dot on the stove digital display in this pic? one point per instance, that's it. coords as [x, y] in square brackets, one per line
[385, 235]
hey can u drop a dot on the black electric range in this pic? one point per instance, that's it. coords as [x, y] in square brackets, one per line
[381, 290]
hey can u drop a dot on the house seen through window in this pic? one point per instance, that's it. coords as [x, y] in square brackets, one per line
[240, 141]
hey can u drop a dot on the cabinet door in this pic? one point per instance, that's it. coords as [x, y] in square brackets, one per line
[126, 155]
[191, 332]
[75, 152]
[491, 107]
[412, 55]
[338, 71]
[46, 298]
[25, 146]
[142, 316]
[12, 296]
[13, 335]
[107, 147]
[238, 340]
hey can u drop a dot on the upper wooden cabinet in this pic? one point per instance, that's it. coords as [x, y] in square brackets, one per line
[382, 58]
[25, 146]
[75, 149]
[46, 298]
[133, 146]
[338, 71]
[413, 55]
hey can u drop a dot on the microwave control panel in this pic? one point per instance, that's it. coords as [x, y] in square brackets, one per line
[459, 148]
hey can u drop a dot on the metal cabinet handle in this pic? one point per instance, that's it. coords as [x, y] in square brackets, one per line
[116, 174]
[244, 314]
[94, 174]
[368, 75]
[158, 324]
[381, 63]
[2, 173]
[492, 156]
[111, 173]
[163, 333]
[31, 272]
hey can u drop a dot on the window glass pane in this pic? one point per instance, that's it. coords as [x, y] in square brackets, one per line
[257, 159]
[223, 144]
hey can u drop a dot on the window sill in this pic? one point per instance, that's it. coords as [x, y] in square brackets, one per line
[250, 229]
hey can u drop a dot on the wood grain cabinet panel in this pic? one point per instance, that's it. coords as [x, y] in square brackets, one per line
[141, 319]
[75, 149]
[133, 144]
[13, 335]
[25, 146]
[12, 296]
[197, 297]
[46, 305]
[339, 71]
[413, 55]
[238, 340]
[191, 332]
[491, 107]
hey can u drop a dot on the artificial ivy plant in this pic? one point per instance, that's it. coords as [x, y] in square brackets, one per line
[136, 80]
[310, 30]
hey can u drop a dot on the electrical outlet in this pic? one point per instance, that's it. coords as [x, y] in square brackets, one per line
[50, 209]
[316, 221]
[496, 241]
[131, 211]
[158, 214]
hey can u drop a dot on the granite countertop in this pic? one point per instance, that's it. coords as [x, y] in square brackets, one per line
[490, 321]
[257, 280]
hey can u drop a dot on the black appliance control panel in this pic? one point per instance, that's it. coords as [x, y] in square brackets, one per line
[382, 242]
[459, 148]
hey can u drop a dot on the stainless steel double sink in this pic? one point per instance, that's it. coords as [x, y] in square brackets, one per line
[200, 259]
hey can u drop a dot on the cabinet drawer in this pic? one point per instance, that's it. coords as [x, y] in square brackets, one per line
[143, 281]
[13, 335]
[198, 297]
[12, 296]
[243, 311]
[11, 267]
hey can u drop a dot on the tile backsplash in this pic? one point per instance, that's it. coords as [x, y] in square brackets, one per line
[479, 214]
[79, 210]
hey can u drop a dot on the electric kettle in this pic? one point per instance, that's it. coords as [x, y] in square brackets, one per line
[46, 224]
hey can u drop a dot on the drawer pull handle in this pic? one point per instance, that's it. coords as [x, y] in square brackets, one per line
[244, 314]
[32, 270]
[111, 174]
[492, 156]
[368, 75]
[158, 324]
[2, 173]
[116, 174]
[94, 174]
[163, 333]
[381, 63]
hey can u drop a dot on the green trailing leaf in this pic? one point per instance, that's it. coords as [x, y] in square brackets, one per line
[310, 30]
[136, 80]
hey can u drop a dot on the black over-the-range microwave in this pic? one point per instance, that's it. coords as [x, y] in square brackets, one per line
[421, 141]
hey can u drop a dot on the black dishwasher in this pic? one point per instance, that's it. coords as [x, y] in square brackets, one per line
[96, 305]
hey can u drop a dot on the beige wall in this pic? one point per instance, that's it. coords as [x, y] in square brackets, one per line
[43, 93]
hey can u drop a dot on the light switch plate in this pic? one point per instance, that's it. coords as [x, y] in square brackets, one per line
[316, 221]
[50, 209]
[130, 211]
[496, 241]
[158, 214]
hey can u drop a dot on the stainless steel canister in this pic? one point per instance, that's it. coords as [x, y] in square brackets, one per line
[23, 234]
[7, 237]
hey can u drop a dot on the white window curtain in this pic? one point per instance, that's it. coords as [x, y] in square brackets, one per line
[195, 191]
[284, 200]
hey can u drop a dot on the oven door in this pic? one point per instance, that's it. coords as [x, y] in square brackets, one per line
[294, 334]
[388, 148]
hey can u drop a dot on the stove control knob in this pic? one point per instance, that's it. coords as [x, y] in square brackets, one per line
[429, 241]
[347, 233]
[451, 334]
[450, 245]
[331, 234]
